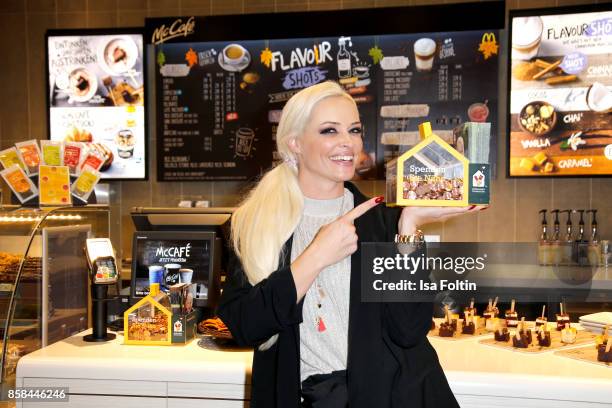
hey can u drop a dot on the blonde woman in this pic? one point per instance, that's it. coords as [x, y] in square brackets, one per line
[293, 290]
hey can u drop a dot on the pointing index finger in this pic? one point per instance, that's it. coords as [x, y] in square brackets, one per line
[362, 208]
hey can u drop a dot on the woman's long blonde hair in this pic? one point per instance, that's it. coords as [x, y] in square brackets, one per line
[266, 219]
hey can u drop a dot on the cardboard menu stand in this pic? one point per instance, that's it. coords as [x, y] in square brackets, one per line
[54, 185]
[35, 202]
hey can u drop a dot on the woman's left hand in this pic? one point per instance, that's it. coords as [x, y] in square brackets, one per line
[415, 217]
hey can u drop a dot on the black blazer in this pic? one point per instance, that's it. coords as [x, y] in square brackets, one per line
[390, 361]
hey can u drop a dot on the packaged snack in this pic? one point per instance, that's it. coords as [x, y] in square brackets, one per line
[19, 183]
[93, 159]
[30, 155]
[9, 156]
[85, 183]
[54, 185]
[433, 173]
[73, 151]
[51, 152]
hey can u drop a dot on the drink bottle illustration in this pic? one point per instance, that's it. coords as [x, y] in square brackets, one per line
[344, 58]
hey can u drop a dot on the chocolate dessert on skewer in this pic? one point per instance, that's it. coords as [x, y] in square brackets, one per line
[501, 334]
[490, 315]
[470, 326]
[541, 320]
[519, 340]
[604, 352]
[511, 315]
[562, 318]
[524, 331]
[446, 329]
[543, 337]
[603, 337]
[471, 309]
[492, 310]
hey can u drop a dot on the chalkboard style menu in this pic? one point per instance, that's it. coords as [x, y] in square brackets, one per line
[560, 100]
[96, 96]
[220, 94]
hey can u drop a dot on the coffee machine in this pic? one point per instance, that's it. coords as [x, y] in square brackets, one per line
[173, 243]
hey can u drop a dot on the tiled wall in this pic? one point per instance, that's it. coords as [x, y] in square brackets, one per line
[512, 216]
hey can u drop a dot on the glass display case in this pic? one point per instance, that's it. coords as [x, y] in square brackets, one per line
[43, 277]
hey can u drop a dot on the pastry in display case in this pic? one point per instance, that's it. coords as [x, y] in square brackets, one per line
[41, 262]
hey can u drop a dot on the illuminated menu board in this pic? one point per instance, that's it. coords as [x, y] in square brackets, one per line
[219, 98]
[560, 101]
[96, 95]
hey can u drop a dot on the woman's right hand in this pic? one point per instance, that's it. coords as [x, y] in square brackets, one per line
[332, 243]
[338, 239]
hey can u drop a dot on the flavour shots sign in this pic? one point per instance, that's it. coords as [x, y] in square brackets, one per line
[220, 97]
[560, 121]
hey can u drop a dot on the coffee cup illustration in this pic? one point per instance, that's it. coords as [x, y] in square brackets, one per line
[526, 37]
[244, 141]
[234, 54]
[424, 51]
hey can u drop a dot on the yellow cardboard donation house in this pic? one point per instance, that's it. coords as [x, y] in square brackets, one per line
[433, 173]
[149, 321]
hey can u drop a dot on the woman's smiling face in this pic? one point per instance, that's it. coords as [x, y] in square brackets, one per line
[328, 148]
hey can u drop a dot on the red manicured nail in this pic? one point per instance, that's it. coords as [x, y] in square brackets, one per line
[379, 199]
[484, 208]
[471, 207]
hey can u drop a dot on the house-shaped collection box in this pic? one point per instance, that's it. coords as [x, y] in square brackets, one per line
[433, 173]
[149, 321]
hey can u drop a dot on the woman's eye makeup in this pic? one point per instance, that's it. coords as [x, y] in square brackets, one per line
[330, 131]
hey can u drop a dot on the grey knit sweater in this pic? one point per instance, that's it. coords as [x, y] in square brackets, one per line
[324, 351]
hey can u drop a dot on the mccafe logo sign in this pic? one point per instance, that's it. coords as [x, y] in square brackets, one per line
[177, 29]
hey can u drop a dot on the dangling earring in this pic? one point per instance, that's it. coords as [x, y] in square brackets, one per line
[291, 161]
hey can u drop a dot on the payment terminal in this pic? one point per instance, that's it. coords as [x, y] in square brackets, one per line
[101, 260]
[103, 272]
